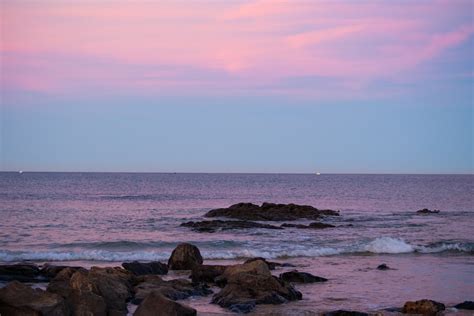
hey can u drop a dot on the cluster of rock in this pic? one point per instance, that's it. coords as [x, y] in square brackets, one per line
[244, 215]
[427, 211]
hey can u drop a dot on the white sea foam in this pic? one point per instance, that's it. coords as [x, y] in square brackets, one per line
[388, 245]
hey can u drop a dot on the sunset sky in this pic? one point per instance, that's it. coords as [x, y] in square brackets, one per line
[237, 86]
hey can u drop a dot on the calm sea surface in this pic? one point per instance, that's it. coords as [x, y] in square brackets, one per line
[107, 218]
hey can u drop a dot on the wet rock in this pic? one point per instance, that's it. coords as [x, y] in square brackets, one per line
[427, 211]
[157, 304]
[313, 225]
[270, 212]
[184, 257]
[49, 271]
[87, 303]
[252, 283]
[19, 299]
[469, 305]
[141, 268]
[383, 267]
[271, 264]
[423, 307]
[213, 226]
[174, 289]
[60, 283]
[206, 273]
[342, 312]
[20, 272]
[300, 277]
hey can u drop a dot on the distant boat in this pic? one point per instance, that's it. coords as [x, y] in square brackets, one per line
[318, 173]
[20, 172]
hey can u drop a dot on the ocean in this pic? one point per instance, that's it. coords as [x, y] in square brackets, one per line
[108, 218]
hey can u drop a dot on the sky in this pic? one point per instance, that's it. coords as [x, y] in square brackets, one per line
[237, 86]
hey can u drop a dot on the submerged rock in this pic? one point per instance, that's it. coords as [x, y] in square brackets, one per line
[271, 265]
[300, 277]
[383, 267]
[213, 226]
[184, 257]
[313, 225]
[20, 272]
[342, 312]
[142, 268]
[206, 273]
[19, 299]
[427, 211]
[174, 289]
[270, 212]
[157, 304]
[423, 307]
[252, 283]
[469, 305]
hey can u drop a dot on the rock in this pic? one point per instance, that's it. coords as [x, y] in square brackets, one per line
[383, 267]
[19, 299]
[206, 273]
[301, 277]
[469, 305]
[141, 268]
[423, 307]
[87, 303]
[270, 212]
[156, 304]
[427, 211]
[49, 271]
[271, 265]
[20, 272]
[173, 289]
[252, 283]
[342, 312]
[184, 257]
[213, 226]
[313, 225]
[60, 283]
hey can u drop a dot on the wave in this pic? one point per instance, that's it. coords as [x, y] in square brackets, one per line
[381, 245]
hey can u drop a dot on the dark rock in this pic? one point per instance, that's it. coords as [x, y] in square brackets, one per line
[427, 211]
[20, 272]
[174, 289]
[184, 257]
[301, 277]
[342, 312]
[49, 271]
[469, 305]
[19, 299]
[60, 283]
[423, 307]
[270, 212]
[157, 304]
[206, 273]
[383, 267]
[313, 225]
[271, 265]
[141, 268]
[213, 226]
[250, 284]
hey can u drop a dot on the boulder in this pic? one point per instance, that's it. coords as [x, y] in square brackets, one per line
[300, 277]
[427, 211]
[252, 283]
[469, 305]
[156, 304]
[20, 272]
[19, 299]
[50, 271]
[342, 312]
[184, 257]
[270, 212]
[383, 267]
[271, 264]
[174, 289]
[141, 268]
[423, 307]
[206, 273]
[313, 225]
[213, 226]
[60, 283]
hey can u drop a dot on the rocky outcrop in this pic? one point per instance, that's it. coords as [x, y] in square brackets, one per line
[469, 305]
[216, 225]
[206, 273]
[270, 212]
[271, 265]
[184, 257]
[313, 225]
[19, 299]
[142, 268]
[300, 277]
[423, 307]
[252, 283]
[20, 272]
[427, 211]
[50, 271]
[383, 267]
[174, 289]
[157, 304]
